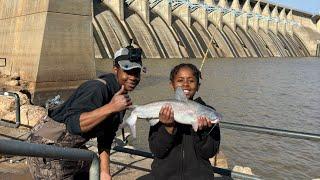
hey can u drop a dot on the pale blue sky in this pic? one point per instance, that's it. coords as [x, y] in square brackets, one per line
[311, 6]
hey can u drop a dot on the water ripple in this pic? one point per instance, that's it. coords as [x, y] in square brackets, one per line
[283, 94]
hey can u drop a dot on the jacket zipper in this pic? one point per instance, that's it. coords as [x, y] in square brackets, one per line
[182, 160]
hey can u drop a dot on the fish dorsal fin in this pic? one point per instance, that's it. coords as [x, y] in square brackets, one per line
[179, 95]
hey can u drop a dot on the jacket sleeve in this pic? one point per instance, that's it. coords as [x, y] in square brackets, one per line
[160, 141]
[87, 99]
[105, 141]
[207, 143]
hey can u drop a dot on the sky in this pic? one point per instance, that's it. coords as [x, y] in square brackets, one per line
[311, 6]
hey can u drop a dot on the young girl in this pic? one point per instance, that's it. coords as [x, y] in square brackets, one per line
[180, 152]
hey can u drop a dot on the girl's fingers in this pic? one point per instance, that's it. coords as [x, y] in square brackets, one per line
[200, 123]
[209, 123]
[166, 114]
[204, 122]
[161, 110]
[170, 114]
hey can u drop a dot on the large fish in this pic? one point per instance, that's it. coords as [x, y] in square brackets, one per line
[185, 112]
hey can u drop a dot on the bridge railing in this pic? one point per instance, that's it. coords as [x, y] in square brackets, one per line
[271, 131]
[20, 148]
[221, 171]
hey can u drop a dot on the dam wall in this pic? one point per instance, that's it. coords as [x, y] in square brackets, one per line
[224, 28]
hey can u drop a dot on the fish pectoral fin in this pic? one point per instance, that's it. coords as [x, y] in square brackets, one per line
[195, 126]
[123, 125]
[153, 122]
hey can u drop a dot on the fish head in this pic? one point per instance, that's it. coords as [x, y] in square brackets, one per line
[215, 116]
[209, 113]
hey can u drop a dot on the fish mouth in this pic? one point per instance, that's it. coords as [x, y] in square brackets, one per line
[219, 117]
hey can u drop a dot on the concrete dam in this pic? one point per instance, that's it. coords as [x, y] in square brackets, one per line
[187, 29]
[48, 47]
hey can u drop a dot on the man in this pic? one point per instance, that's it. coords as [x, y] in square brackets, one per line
[95, 109]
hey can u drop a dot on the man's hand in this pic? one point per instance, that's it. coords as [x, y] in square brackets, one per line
[203, 122]
[166, 117]
[121, 100]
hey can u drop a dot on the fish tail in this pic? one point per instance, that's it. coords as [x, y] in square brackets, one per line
[131, 122]
[132, 107]
[133, 130]
[123, 125]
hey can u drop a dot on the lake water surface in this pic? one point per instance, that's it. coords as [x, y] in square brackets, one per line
[281, 93]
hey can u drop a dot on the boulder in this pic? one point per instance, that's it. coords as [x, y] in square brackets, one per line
[219, 160]
[15, 76]
[24, 100]
[242, 169]
[3, 113]
[7, 103]
[12, 83]
[29, 115]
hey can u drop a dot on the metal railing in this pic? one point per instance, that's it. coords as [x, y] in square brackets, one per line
[20, 148]
[154, 3]
[221, 171]
[318, 49]
[129, 1]
[6, 123]
[271, 131]
[211, 8]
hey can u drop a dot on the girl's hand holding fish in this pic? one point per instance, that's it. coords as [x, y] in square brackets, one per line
[166, 117]
[204, 122]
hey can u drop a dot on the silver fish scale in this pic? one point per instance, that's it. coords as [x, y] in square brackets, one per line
[184, 112]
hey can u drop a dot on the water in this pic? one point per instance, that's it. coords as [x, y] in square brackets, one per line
[278, 93]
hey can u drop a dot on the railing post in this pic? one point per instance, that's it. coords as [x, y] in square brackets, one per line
[318, 48]
[94, 172]
[17, 102]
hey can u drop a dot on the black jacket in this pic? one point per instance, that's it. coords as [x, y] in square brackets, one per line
[89, 96]
[184, 154]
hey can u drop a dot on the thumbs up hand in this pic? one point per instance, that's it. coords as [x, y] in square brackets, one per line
[121, 100]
